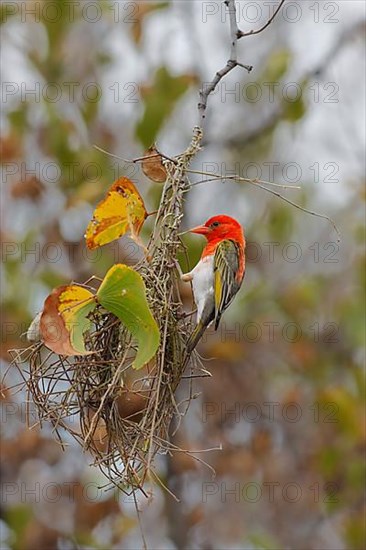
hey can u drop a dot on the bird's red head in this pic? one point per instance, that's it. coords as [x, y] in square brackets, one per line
[220, 227]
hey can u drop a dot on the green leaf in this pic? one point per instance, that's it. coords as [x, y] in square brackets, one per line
[263, 541]
[123, 293]
[159, 100]
[277, 65]
[294, 110]
[18, 518]
[355, 532]
[280, 223]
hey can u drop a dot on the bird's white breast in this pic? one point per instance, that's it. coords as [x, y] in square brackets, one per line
[203, 283]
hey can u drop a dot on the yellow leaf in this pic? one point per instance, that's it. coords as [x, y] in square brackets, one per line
[121, 211]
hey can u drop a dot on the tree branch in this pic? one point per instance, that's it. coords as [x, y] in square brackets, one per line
[258, 183]
[232, 62]
[243, 140]
[250, 33]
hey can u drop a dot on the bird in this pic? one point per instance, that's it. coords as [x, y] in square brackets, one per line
[218, 276]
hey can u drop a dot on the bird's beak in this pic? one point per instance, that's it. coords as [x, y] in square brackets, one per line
[200, 230]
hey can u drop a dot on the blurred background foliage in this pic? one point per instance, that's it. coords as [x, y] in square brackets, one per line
[287, 395]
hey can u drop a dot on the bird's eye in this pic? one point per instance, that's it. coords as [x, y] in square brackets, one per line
[215, 224]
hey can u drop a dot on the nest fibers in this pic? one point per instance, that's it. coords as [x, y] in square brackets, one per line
[122, 416]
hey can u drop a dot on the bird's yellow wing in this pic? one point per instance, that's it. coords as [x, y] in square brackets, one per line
[226, 267]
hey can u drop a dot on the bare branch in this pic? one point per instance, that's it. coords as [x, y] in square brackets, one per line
[138, 159]
[236, 178]
[241, 34]
[243, 140]
[232, 62]
[306, 210]
[259, 183]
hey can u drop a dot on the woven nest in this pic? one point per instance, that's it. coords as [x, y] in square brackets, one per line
[122, 416]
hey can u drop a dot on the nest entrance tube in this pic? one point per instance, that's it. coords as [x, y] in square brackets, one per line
[122, 416]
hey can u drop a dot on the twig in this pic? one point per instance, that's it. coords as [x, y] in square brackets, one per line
[244, 179]
[306, 210]
[137, 159]
[237, 178]
[259, 183]
[241, 34]
[243, 140]
[231, 63]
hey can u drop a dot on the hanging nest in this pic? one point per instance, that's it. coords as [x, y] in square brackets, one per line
[122, 416]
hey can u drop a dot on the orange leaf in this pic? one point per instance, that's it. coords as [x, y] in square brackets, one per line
[63, 320]
[153, 167]
[121, 211]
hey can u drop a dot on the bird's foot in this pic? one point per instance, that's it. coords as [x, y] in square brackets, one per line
[186, 277]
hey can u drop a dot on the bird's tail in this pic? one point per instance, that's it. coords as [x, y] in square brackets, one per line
[193, 340]
[195, 337]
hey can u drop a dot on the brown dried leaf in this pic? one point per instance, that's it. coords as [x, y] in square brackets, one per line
[30, 188]
[10, 147]
[153, 167]
[38, 535]
[64, 319]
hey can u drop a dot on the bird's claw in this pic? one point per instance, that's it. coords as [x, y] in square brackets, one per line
[186, 277]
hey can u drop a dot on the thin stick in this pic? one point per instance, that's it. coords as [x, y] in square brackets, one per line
[137, 159]
[257, 184]
[311, 212]
[241, 34]
[138, 513]
[238, 178]
[231, 63]
[111, 154]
